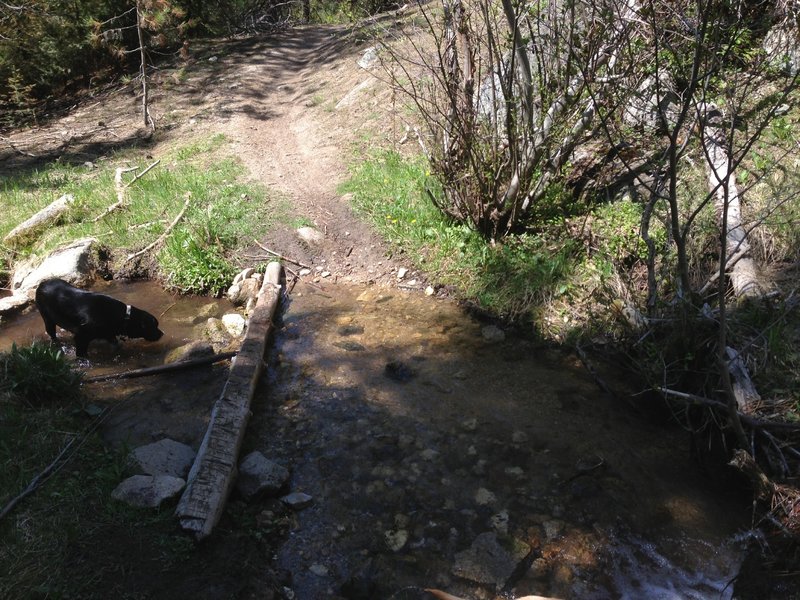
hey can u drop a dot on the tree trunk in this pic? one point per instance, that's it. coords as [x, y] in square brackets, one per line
[744, 274]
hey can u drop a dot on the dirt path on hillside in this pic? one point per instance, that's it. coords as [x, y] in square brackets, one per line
[295, 105]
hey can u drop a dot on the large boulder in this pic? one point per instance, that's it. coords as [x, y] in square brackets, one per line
[75, 262]
[148, 491]
[164, 457]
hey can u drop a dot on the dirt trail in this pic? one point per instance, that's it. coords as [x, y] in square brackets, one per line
[298, 139]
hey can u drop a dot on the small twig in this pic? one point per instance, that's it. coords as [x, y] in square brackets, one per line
[120, 187]
[142, 174]
[37, 481]
[164, 235]
[169, 308]
[280, 256]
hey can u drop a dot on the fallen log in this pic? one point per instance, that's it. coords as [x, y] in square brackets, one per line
[176, 366]
[33, 227]
[214, 470]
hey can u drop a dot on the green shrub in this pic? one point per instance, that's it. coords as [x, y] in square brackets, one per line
[39, 373]
[194, 266]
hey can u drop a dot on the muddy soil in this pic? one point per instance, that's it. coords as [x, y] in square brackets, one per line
[435, 457]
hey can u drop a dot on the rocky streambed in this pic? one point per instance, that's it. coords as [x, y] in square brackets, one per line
[421, 448]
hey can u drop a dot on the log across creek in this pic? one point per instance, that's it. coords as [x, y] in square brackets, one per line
[214, 471]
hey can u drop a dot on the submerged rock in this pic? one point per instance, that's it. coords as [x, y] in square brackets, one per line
[189, 352]
[485, 561]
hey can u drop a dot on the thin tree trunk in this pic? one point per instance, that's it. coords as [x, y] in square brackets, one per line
[744, 273]
[148, 120]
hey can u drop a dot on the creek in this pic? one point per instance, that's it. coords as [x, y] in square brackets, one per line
[438, 456]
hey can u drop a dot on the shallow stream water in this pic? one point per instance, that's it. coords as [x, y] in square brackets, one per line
[437, 458]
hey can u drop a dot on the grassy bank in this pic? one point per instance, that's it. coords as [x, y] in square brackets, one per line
[224, 212]
[550, 277]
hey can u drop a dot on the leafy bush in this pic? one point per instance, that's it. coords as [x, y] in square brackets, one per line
[39, 373]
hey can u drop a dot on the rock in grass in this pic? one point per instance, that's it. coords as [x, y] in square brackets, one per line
[148, 491]
[164, 457]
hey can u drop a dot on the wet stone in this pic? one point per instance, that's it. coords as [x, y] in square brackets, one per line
[485, 561]
[189, 352]
[493, 334]
[350, 346]
[350, 330]
[297, 500]
[399, 371]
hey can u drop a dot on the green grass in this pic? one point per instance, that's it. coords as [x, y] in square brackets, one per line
[511, 279]
[223, 215]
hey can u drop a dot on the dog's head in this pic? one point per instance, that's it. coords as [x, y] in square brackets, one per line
[141, 324]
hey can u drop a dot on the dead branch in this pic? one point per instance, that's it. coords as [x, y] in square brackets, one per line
[160, 369]
[280, 256]
[33, 226]
[752, 422]
[164, 235]
[120, 188]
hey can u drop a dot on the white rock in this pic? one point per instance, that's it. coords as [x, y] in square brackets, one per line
[259, 475]
[369, 58]
[297, 500]
[310, 235]
[74, 262]
[429, 291]
[234, 324]
[402, 272]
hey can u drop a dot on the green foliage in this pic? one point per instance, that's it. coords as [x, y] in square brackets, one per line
[39, 374]
[193, 266]
[616, 231]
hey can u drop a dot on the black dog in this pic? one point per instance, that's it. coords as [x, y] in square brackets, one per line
[91, 316]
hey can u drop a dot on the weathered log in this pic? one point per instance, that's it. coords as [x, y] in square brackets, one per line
[744, 273]
[33, 227]
[160, 369]
[743, 387]
[212, 475]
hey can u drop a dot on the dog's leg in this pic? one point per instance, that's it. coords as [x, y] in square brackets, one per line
[49, 327]
[82, 345]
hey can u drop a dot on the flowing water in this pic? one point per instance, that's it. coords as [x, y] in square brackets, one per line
[437, 458]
